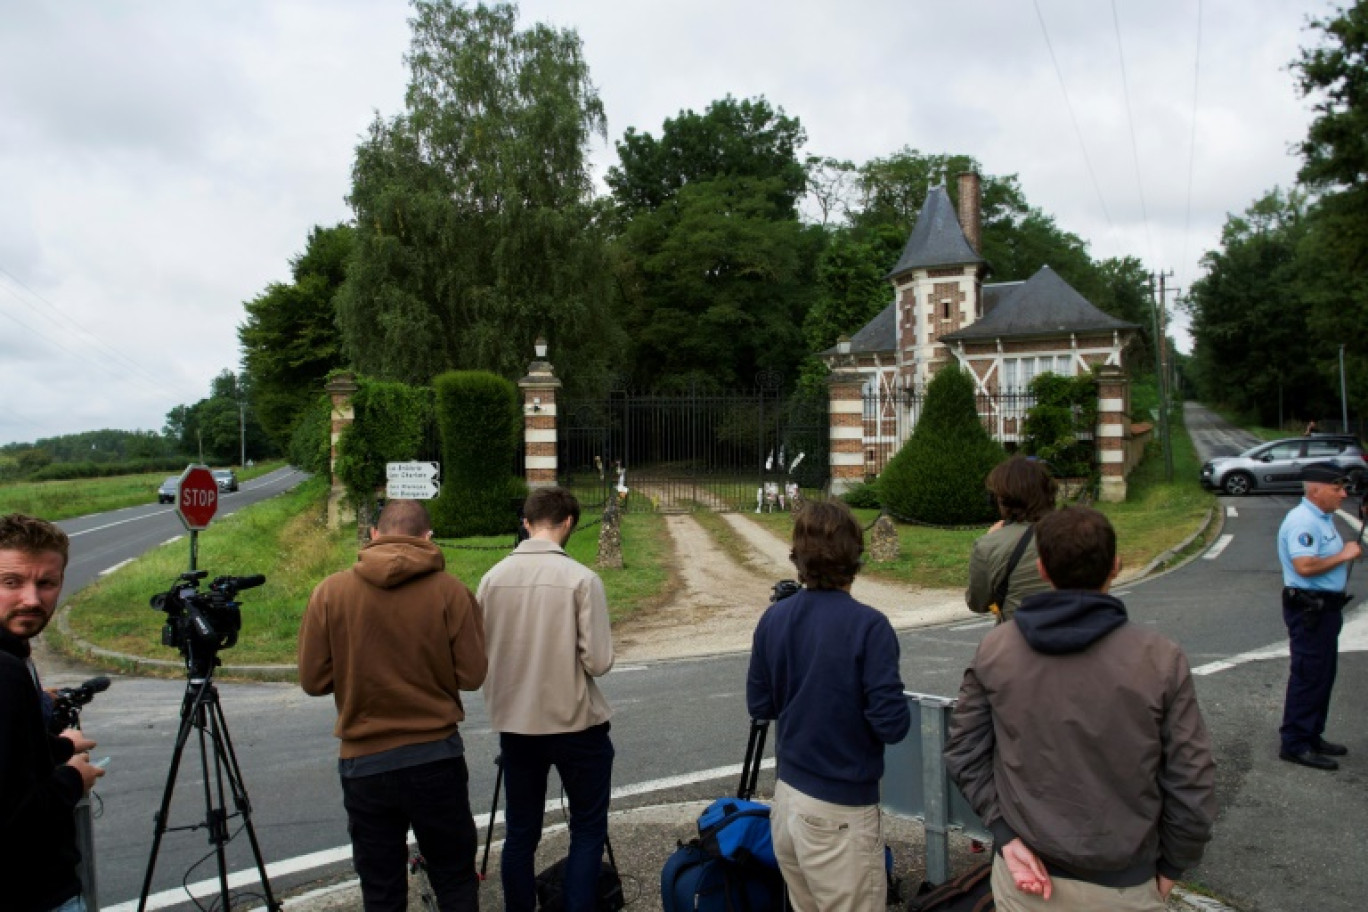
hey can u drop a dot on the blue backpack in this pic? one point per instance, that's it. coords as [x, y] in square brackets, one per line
[737, 830]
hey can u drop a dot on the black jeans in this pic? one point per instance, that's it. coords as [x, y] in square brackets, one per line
[584, 762]
[434, 800]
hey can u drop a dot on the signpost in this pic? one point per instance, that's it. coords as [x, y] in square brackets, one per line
[412, 480]
[196, 503]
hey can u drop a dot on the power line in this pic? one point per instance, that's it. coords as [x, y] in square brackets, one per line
[1073, 118]
[1130, 120]
[67, 323]
[1192, 145]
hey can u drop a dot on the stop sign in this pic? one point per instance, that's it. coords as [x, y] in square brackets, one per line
[196, 497]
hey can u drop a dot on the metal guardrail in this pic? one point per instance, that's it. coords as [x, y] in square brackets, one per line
[916, 785]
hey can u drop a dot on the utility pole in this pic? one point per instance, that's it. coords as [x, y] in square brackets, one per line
[1157, 287]
[1344, 399]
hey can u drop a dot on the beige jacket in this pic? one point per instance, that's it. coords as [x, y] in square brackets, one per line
[548, 637]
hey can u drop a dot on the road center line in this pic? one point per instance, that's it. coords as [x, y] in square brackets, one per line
[120, 564]
[1221, 544]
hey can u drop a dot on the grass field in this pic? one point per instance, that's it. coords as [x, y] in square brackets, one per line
[285, 539]
[57, 500]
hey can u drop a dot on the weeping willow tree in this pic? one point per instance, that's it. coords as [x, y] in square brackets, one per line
[476, 228]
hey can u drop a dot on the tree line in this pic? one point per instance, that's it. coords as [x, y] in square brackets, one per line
[1288, 286]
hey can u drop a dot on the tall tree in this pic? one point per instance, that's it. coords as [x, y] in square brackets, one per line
[715, 266]
[290, 340]
[476, 230]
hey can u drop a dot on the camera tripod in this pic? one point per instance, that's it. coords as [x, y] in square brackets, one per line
[202, 713]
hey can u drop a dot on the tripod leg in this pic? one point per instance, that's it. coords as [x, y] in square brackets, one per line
[189, 706]
[215, 815]
[226, 756]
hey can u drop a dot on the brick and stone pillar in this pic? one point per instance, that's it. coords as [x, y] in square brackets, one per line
[340, 390]
[1113, 425]
[846, 397]
[539, 423]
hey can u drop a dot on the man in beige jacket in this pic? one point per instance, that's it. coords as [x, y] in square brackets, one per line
[546, 623]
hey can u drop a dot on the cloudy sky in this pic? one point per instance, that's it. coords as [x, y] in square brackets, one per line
[160, 163]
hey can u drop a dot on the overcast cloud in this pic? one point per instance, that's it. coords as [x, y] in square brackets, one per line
[160, 163]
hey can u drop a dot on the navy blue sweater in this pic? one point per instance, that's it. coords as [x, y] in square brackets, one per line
[826, 667]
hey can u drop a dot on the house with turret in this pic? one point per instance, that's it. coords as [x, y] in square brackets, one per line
[944, 311]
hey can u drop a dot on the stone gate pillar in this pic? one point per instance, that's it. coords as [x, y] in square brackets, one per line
[340, 390]
[1113, 426]
[846, 397]
[539, 420]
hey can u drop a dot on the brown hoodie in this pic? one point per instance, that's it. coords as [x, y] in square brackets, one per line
[394, 639]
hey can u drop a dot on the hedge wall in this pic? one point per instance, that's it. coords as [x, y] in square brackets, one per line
[481, 428]
[391, 425]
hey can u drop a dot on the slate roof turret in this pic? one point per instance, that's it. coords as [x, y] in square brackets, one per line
[1043, 305]
[937, 239]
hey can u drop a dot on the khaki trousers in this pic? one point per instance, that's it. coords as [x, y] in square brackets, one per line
[1073, 895]
[831, 855]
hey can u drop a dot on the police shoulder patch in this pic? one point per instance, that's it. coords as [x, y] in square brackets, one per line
[1305, 539]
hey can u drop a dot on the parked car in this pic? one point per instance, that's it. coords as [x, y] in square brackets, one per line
[227, 480]
[167, 492]
[1277, 466]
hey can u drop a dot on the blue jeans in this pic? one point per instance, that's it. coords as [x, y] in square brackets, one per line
[433, 799]
[584, 762]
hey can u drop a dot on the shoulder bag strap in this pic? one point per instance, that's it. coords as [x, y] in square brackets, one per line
[1000, 596]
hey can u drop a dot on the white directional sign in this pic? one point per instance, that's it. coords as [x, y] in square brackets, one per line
[412, 480]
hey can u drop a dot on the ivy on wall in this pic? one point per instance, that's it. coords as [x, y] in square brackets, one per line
[1065, 408]
[392, 420]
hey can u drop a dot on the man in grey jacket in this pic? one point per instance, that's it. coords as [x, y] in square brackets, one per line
[547, 633]
[1078, 739]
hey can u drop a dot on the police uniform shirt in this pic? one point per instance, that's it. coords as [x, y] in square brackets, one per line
[1307, 532]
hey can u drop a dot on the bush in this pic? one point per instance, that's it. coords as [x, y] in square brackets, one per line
[864, 496]
[391, 425]
[1065, 407]
[937, 477]
[311, 439]
[65, 471]
[480, 426]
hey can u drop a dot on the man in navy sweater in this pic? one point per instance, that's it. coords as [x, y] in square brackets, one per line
[826, 667]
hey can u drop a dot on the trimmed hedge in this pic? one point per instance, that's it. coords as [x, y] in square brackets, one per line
[937, 477]
[481, 427]
[63, 471]
[311, 439]
[391, 425]
[1065, 406]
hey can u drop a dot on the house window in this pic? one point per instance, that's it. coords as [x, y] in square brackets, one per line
[945, 309]
[1017, 373]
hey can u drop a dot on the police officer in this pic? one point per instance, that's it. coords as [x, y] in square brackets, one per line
[1315, 569]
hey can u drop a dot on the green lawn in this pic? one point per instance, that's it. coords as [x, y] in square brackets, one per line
[57, 500]
[285, 539]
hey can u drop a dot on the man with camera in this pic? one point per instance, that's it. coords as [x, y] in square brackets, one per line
[549, 638]
[1078, 739]
[42, 777]
[395, 639]
[1315, 568]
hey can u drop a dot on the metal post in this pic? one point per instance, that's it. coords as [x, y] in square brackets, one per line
[194, 550]
[85, 843]
[1344, 400]
[935, 787]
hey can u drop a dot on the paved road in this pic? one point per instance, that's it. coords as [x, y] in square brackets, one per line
[1284, 840]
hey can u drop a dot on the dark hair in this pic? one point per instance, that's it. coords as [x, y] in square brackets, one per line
[33, 536]
[1023, 489]
[550, 506]
[1077, 546]
[827, 544]
[404, 517]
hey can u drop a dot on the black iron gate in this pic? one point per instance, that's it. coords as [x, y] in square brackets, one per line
[698, 450]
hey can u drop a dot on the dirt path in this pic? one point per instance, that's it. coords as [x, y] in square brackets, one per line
[720, 597]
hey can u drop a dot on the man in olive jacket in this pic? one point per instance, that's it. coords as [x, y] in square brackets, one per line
[395, 639]
[1078, 739]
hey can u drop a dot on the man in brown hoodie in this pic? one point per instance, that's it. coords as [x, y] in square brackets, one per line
[395, 639]
[1078, 739]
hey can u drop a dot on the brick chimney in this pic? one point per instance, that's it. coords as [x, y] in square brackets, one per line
[970, 209]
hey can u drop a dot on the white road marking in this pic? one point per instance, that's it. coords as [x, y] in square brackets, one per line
[974, 625]
[1221, 544]
[172, 540]
[109, 570]
[238, 879]
[1353, 638]
[1232, 512]
[120, 523]
[621, 668]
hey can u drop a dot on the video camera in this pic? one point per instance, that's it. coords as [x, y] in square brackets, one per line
[67, 703]
[199, 624]
[783, 589]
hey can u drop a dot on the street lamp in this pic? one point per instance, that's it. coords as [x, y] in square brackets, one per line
[539, 347]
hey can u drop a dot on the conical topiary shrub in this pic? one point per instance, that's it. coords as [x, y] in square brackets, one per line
[937, 477]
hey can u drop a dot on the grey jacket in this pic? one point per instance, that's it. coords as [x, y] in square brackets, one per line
[988, 563]
[1080, 733]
